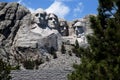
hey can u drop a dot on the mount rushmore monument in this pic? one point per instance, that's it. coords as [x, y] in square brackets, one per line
[25, 35]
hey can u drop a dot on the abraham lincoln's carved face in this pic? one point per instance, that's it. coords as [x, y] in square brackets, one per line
[79, 28]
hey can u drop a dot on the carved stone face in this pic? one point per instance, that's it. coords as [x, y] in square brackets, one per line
[63, 28]
[79, 29]
[40, 17]
[62, 23]
[52, 21]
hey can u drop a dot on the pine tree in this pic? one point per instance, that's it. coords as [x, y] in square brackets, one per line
[76, 44]
[76, 49]
[101, 60]
[4, 71]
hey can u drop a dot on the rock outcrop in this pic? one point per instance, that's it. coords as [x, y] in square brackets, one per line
[32, 36]
[12, 16]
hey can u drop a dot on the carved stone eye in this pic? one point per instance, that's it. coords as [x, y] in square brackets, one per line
[37, 14]
[50, 18]
[41, 15]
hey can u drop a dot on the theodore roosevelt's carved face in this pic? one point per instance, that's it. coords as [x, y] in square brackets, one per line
[52, 21]
[63, 28]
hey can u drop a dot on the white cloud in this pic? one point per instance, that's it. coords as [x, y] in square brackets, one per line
[31, 9]
[63, 0]
[20, 1]
[58, 8]
[78, 9]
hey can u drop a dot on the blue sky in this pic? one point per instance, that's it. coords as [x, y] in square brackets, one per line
[67, 9]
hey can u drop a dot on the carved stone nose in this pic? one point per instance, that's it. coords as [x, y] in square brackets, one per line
[53, 20]
[41, 18]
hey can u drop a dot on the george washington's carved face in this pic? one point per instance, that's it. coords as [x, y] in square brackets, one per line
[52, 21]
[40, 17]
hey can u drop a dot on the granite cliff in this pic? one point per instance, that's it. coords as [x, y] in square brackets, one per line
[32, 36]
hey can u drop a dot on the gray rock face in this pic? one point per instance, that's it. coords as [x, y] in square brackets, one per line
[35, 37]
[25, 35]
[11, 17]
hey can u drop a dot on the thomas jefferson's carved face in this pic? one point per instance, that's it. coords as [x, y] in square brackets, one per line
[52, 21]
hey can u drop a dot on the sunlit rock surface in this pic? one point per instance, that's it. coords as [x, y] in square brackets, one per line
[31, 36]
